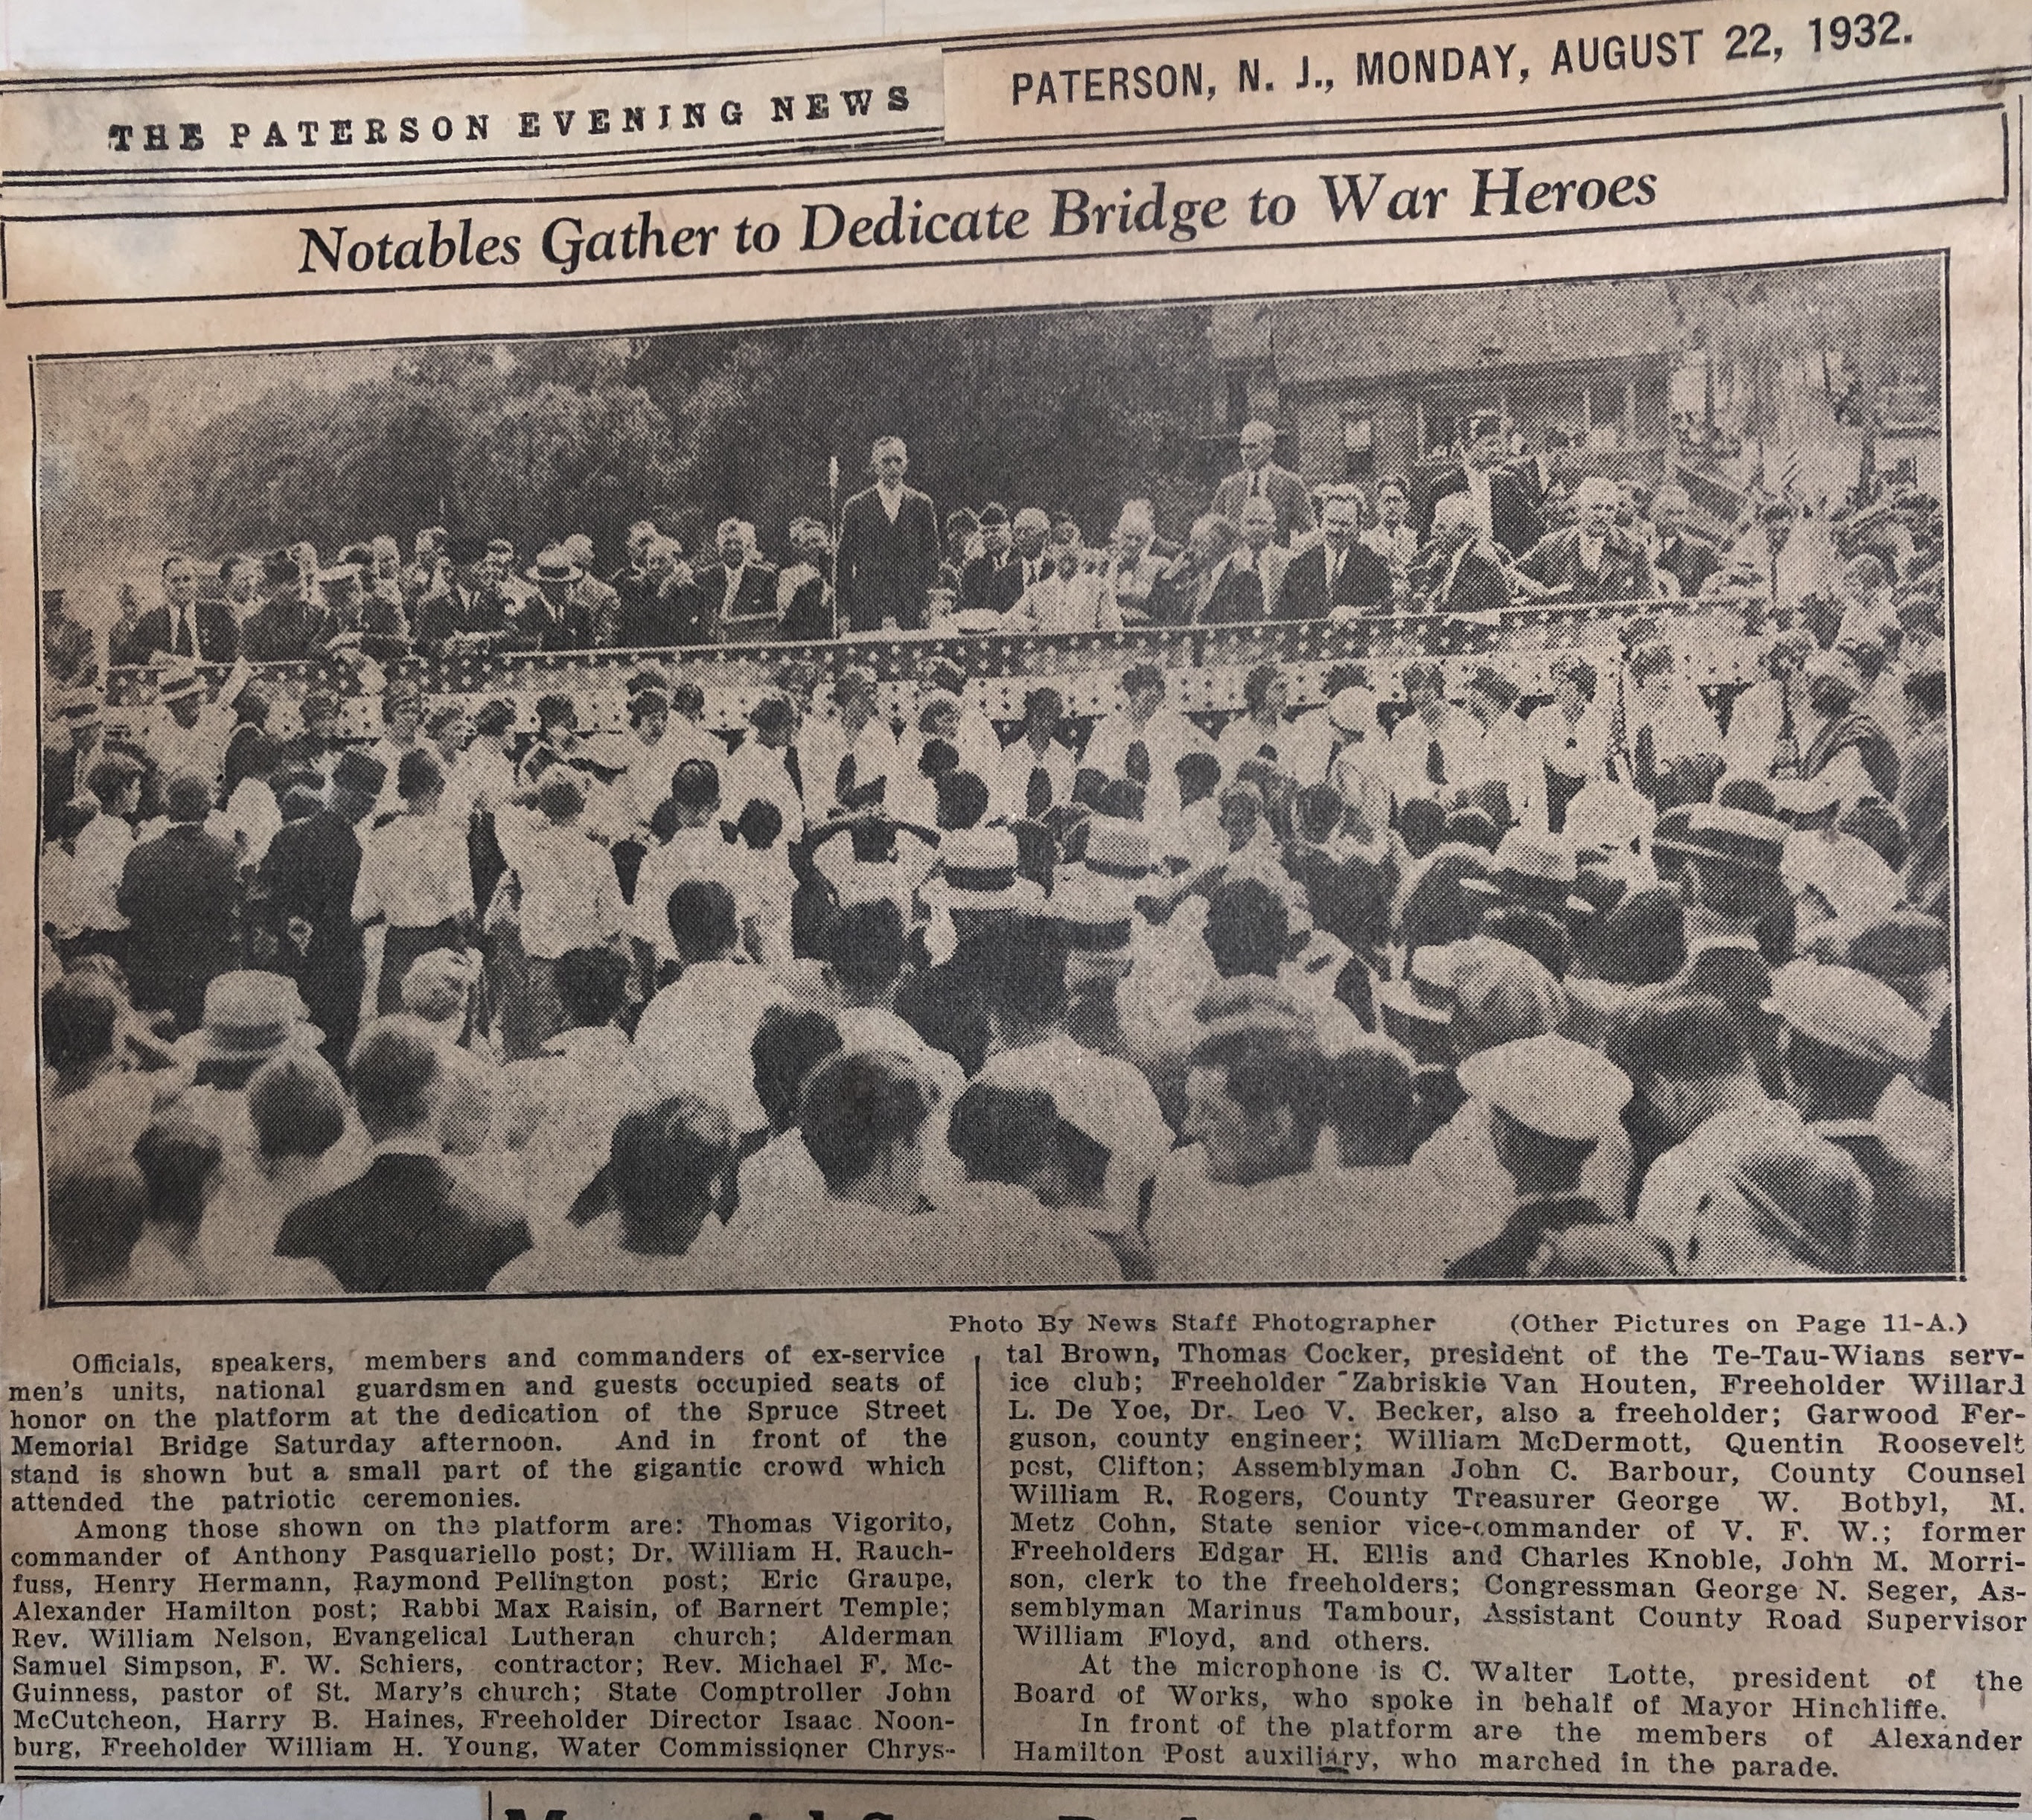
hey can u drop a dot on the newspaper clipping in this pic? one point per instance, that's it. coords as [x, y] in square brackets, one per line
[1117, 922]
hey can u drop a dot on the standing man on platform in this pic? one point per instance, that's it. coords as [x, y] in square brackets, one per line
[1260, 478]
[1505, 509]
[888, 554]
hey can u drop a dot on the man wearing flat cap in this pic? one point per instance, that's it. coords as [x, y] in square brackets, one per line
[1728, 865]
[1849, 1039]
[1744, 1189]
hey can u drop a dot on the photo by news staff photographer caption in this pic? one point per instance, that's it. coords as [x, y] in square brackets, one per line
[1370, 787]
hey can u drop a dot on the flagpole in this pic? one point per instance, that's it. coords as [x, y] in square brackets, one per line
[833, 525]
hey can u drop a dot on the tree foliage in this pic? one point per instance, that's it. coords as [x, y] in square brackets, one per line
[1073, 410]
[530, 447]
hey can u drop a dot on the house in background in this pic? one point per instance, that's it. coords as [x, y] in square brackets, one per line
[1383, 382]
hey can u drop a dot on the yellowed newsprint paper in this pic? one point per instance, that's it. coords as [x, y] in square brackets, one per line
[1122, 923]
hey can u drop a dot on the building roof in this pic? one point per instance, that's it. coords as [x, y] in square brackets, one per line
[1316, 340]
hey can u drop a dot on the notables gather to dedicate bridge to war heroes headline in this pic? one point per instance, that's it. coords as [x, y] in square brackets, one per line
[1473, 879]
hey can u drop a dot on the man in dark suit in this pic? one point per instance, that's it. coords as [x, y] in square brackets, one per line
[1260, 478]
[992, 582]
[551, 619]
[741, 588]
[1594, 558]
[1506, 506]
[184, 626]
[179, 895]
[1688, 562]
[306, 881]
[888, 547]
[406, 1226]
[804, 596]
[293, 622]
[664, 605]
[462, 600]
[1340, 572]
[69, 659]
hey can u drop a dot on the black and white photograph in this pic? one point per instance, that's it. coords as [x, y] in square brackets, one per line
[1392, 787]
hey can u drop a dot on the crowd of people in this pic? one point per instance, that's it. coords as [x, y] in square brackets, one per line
[1446, 984]
[1491, 530]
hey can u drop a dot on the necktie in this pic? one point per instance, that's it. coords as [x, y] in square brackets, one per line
[1436, 764]
[1037, 798]
[843, 783]
[1136, 762]
[1256, 484]
[1645, 762]
[186, 640]
[790, 766]
[1335, 562]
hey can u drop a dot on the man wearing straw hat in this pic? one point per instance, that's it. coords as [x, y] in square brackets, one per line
[191, 731]
[553, 618]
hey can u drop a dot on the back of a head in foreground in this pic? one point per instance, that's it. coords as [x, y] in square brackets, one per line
[854, 1108]
[663, 1169]
[396, 1068]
